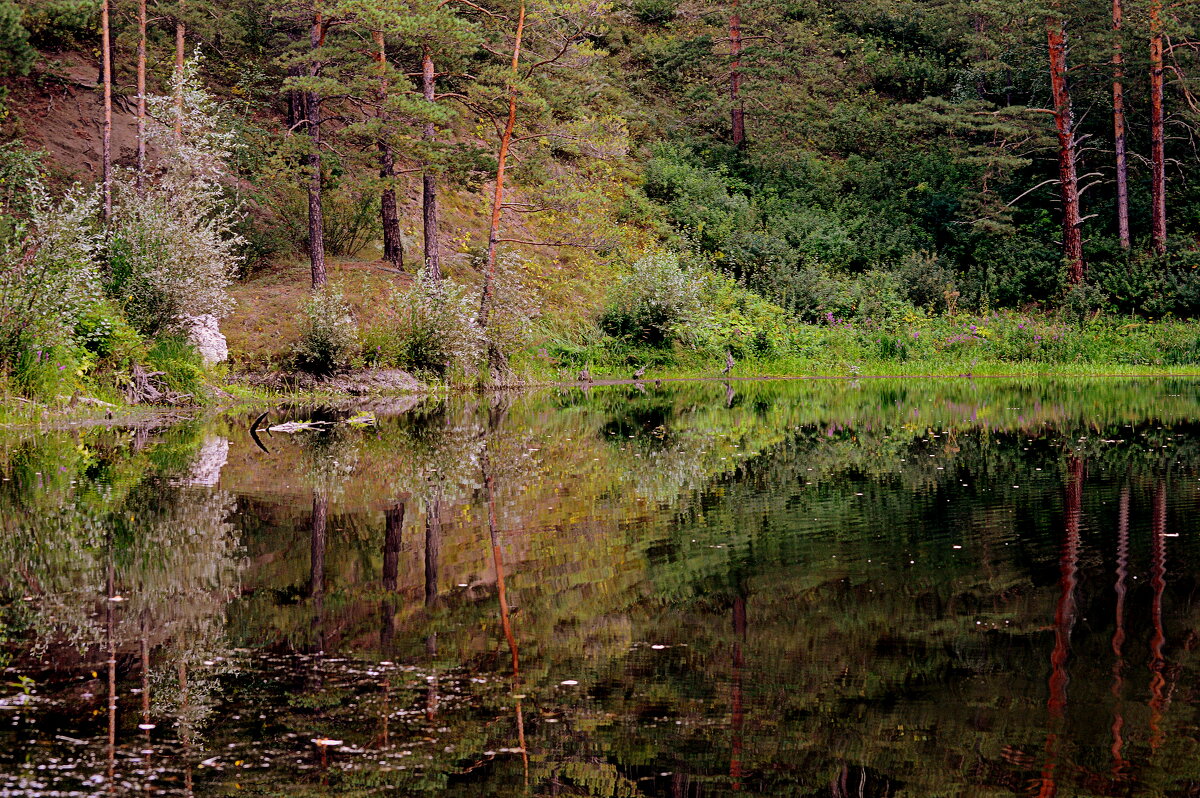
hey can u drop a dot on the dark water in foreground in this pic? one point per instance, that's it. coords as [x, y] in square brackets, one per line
[804, 588]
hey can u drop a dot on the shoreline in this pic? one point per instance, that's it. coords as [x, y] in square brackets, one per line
[19, 413]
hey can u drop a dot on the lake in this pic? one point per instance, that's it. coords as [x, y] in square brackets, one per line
[810, 587]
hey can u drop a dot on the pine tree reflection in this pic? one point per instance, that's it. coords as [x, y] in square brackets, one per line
[1119, 765]
[433, 545]
[393, 530]
[1158, 583]
[318, 531]
[505, 618]
[1064, 621]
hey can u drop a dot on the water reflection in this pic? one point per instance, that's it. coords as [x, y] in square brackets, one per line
[792, 588]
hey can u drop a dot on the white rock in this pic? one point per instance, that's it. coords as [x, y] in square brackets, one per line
[205, 334]
[206, 468]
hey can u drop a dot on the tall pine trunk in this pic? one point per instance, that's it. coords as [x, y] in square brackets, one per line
[1118, 64]
[180, 32]
[1064, 122]
[141, 99]
[393, 244]
[316, 218]
[1158, 158]
[738, 110]
[489, 274]
[429, 213]
[106, 140]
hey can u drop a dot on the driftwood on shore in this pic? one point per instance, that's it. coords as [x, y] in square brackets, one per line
[148, 388]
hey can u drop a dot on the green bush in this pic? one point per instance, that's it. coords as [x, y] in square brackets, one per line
[926, 282]
[104, 333]
[737, 320]
[328, 335]
[180, 363]
[16, 56]
[653, 303]
[654, 12]
[61, 24]
[46, 370]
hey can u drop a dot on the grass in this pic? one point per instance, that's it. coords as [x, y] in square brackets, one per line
[794, 367]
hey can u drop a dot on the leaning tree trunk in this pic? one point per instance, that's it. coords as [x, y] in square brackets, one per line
[106, 142]
[429, 214]
[1158, 158]
[1118, 64]
[489, 273]
[141, 99]
[738, 110]
[1064, 122]
[393, 244]
[316, 218]
[180, 31]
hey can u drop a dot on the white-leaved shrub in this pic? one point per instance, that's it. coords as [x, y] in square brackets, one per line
[328, 333]
[48, 272]
[435, 327]
[174, 249]
[514, 306]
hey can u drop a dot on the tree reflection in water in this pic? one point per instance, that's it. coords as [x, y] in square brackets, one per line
[812, 588]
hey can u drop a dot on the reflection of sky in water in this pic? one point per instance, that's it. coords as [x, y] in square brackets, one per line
[876, 588]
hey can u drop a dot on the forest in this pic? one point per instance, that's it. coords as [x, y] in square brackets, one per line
[205, 196]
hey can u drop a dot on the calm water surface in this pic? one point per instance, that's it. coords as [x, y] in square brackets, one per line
[823, 588]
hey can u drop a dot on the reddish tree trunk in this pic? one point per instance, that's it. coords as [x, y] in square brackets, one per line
[1118, 640]
[106, 140]
[1064, 622]
[316, 218]
[738, 110]
[1118, 64]
[1158, 158]
[1064, 122]
[180, 31]
[141, 98]
[393, 244]
[489, 274]
[502, 596]
[1158, 583]
[429, 213]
